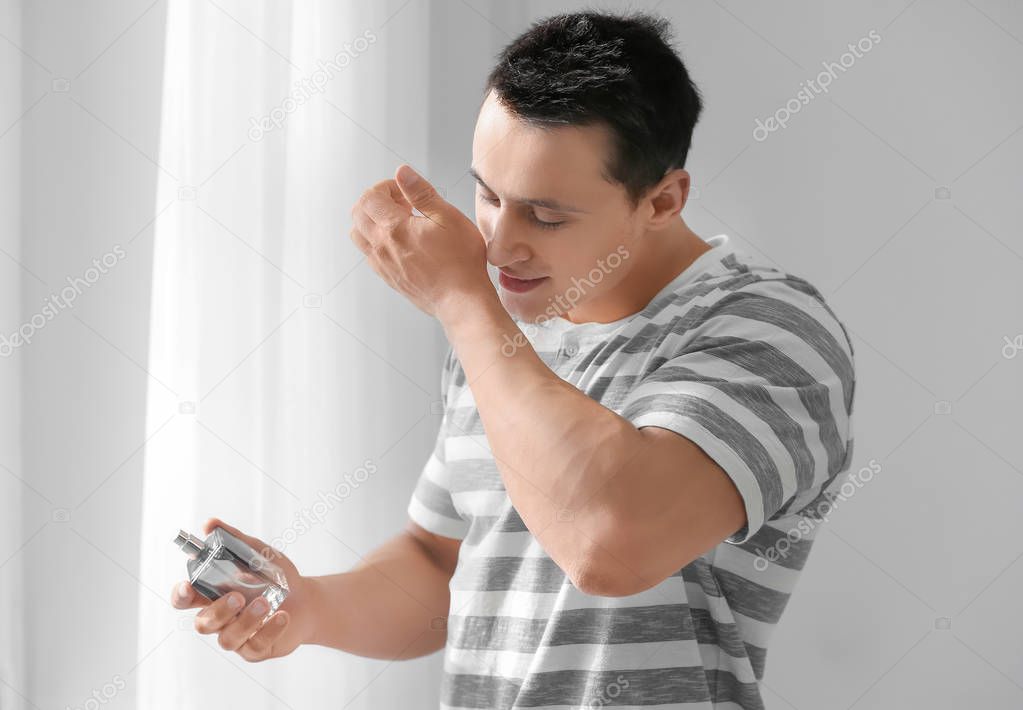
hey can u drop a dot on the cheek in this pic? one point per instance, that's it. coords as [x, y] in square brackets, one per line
[591, 244]
[579, 257]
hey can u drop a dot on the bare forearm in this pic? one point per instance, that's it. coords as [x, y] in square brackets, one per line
[555, 447]
[391, 605]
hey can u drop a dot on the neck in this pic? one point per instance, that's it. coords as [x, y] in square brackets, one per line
[656, 258]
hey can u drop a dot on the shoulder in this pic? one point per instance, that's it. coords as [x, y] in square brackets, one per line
[746, 311]
[741, 295]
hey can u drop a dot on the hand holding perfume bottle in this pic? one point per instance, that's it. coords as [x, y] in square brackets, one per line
[223, 563]
[250, 594]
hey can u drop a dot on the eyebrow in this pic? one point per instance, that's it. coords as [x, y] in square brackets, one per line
[538, 202]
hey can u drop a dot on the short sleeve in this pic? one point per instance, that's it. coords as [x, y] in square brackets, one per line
[765, 387]
[431, 504]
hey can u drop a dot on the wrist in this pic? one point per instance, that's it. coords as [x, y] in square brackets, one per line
[458, 305]
[314, 610]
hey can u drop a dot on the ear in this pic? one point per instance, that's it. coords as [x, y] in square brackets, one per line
[668, 197]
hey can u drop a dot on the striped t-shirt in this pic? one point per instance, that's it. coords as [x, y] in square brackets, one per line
[746, 361]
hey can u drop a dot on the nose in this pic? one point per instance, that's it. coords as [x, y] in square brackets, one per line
[504, 247]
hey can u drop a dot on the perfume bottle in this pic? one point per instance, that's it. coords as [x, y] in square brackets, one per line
[222, 563]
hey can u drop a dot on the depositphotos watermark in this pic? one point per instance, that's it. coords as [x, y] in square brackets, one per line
[59, 302]
[1012, 347]
[306, 518]
[103, 695]
[567, 301]
[813, 88]
[612, 691]
[807, 523]
[306, 86]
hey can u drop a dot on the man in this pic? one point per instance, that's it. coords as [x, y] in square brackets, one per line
[640, 426]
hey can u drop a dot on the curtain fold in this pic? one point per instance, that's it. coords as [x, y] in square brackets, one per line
[296, 387]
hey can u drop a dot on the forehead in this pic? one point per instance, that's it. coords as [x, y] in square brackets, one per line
[519, 159]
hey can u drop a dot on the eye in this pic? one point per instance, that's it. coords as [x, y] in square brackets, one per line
[543, 224]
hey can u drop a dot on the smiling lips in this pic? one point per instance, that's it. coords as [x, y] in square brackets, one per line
[517, 285]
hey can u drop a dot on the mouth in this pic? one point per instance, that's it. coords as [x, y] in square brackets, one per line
[515, 285]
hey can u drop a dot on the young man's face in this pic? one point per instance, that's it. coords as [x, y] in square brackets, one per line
[586, 232]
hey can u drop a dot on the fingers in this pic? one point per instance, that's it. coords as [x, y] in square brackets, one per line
[364, 228]
[397, 195]
[184, 596]
[238, 630]
[238, 627]
[360, 242]
[242, 629]
[380, 207]
[420, 194]
[260, 645]
[219, 613]
[211, 523]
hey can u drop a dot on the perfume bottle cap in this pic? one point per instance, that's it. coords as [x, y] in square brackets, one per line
[190, 544]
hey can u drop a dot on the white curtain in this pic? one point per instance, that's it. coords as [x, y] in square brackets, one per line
[285, 365]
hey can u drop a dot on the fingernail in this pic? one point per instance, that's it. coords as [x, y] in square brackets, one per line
[281, 620]
[234, 601]
[182, 589]
[258, 607]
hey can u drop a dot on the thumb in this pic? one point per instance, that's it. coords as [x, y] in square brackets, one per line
[419, 192]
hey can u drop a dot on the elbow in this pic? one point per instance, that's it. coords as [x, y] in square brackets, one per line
[590, 572]
[616, 569]
[616, 579]
[597, 582]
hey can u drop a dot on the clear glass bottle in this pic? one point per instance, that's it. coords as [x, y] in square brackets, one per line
[223, 563]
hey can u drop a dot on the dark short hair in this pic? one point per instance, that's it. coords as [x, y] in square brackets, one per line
[619, 71]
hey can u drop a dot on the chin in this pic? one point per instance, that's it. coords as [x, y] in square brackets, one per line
[525, 307]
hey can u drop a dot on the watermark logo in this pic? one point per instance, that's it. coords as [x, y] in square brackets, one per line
[567, 301]
[812, 88]
[822, 511]
[59, 302]
[103, 695]
[315, 514]
[305, 87]
[610, 692]
[1012, 346]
